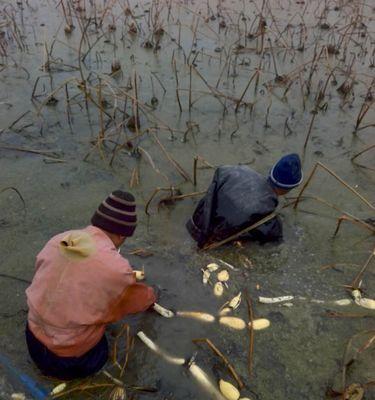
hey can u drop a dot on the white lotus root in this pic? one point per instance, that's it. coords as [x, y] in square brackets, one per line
[212, 267]
[225, 311]
[343, 302]
[273, 300]
[163, 311]
[356, 294]
[235, 302]
[206, 276]
[366, 303]
[229, 391]
[196, 371]
[118, 393]
[233, 322]
[223, 276]
[154, 347]
[218, 289]
[205, 382]
[18, 396]
[139, 275]
[58, 389]
[259, 324]
[196, 315]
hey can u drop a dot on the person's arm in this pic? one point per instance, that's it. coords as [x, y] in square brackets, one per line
[136, 298]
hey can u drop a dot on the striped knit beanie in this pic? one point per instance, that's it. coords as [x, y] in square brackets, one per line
[117, 214]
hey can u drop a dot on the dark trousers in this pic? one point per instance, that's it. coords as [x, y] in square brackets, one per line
[66, 368]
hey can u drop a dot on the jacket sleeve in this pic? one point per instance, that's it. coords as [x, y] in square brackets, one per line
[137, 297]
[200, 223]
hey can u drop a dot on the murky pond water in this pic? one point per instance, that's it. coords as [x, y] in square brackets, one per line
[255, 80]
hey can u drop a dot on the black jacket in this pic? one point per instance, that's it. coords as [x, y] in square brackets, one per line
[237, 198]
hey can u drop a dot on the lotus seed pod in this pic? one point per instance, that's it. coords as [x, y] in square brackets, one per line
[259, 324]
[223, 276]
[366, 303]
[233, 322]
[212, 267]
[229, 391]
[235, 302]
[218, 289]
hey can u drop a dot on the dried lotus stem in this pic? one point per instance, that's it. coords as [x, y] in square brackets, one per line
[129, 345]
[215, 245]
[358, 278]
[361, 152]
[354, 221]
[319, 164]
[225, 360]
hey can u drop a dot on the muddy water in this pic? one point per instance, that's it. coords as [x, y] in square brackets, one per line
[300, 355]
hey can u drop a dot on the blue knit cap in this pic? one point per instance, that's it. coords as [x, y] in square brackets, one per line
[287, 173]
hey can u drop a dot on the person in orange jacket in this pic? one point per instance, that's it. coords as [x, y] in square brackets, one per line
[82, 284]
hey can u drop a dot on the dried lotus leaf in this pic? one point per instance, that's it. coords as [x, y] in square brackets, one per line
[218, 289]
[223, 276]
[233, 322]
[212, 267]
[259, 324]
[229, 391]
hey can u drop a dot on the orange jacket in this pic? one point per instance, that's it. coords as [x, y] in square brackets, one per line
[81, 284]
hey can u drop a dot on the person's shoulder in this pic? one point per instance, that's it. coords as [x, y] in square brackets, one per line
[237, 170]
[111, 258]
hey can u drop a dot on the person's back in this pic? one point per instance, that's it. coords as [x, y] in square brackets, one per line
[239, 197]
[81, 284]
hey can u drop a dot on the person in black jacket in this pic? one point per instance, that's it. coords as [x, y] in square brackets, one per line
[239, 197]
